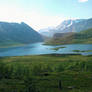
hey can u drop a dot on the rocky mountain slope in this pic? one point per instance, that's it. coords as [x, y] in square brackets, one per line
[18, 33]
[76, 25]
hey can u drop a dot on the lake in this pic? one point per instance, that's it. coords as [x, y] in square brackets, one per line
[39, 48]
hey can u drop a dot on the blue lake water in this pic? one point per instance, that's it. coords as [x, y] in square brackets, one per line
[39, 48]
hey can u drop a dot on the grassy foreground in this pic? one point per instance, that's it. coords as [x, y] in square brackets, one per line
[46, 73]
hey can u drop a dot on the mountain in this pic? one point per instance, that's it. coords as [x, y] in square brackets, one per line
[47, 31]
[18, 33]
[71, 25]
[67, 24]
[79, 26]
[84, 36]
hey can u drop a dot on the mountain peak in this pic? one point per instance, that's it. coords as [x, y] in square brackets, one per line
[70, 25]
[21, 33]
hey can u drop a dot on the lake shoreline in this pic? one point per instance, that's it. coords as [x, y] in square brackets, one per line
[53, 54]
[40, 49]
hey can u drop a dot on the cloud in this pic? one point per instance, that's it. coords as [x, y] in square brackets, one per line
[82, 1]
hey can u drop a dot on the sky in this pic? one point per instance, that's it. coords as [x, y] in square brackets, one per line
[41, 14]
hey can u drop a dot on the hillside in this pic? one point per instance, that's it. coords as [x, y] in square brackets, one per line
[15, 33]
[69, 38]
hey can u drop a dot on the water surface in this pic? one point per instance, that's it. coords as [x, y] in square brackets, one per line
[39, 48]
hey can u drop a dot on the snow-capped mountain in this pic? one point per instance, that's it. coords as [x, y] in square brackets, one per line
[71, 25]
[67, 23]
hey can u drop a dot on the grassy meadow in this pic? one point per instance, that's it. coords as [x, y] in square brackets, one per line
[46, 73]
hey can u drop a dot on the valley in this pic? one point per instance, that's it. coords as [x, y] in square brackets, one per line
[45, 45]
[60, 61]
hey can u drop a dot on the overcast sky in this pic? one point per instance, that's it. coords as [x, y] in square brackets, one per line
[44, 13]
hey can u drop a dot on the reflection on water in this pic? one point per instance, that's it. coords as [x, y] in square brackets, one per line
[39, 48]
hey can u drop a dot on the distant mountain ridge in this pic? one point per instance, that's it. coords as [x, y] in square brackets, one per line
[18, 33]
[80, 26]
[47, 31]
[66, 24]
[76, 25]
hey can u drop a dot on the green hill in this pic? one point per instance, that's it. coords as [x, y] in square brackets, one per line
[15, 33]
[70, 38]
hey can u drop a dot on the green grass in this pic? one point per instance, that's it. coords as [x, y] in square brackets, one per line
[43, 73]
[57, 48]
